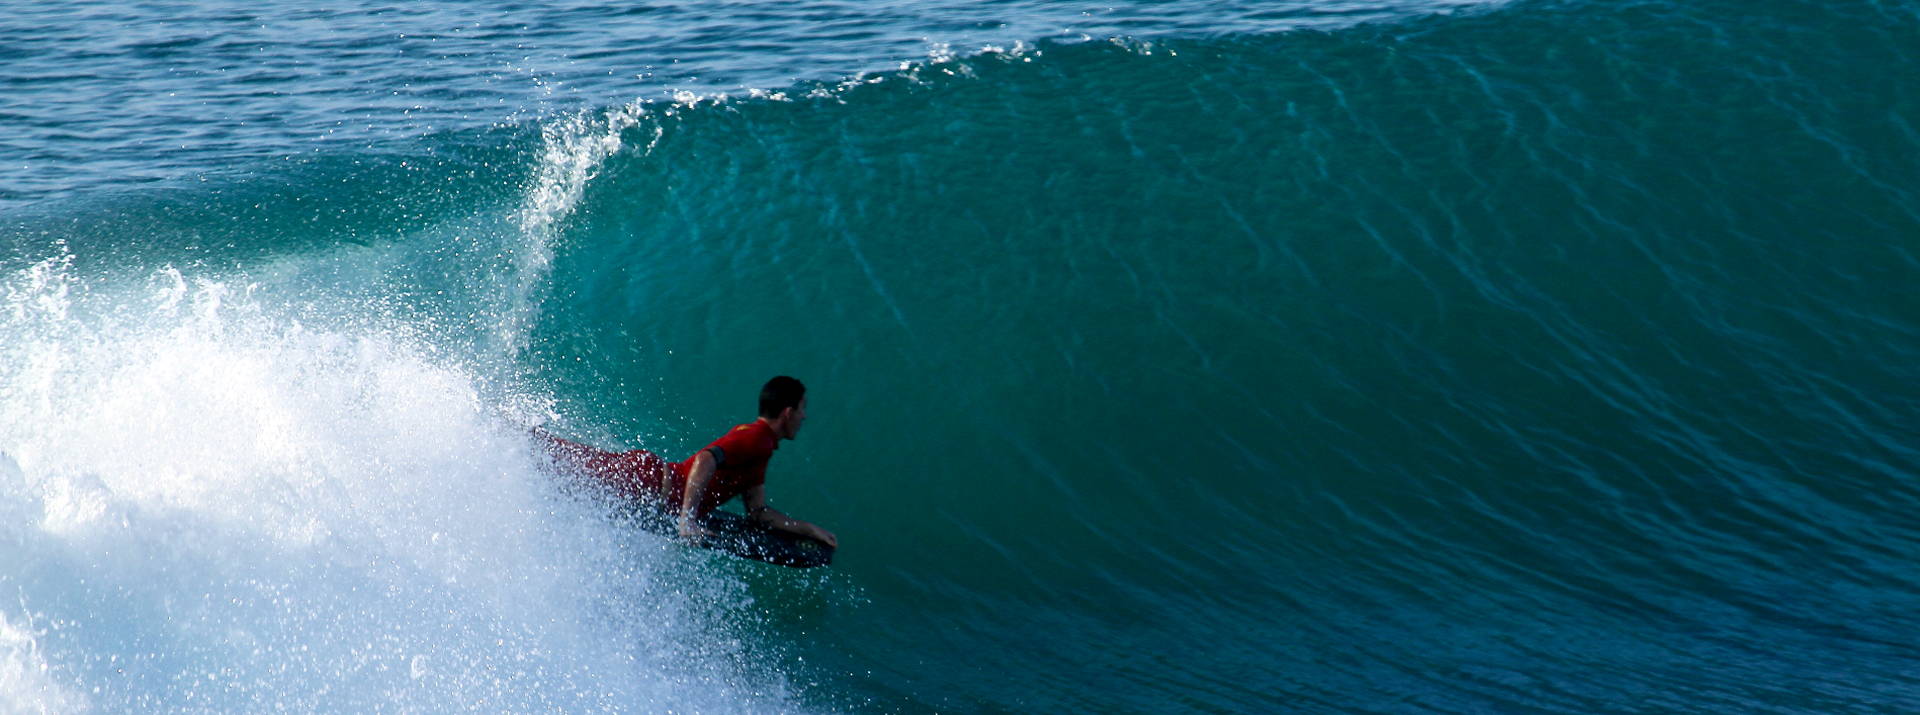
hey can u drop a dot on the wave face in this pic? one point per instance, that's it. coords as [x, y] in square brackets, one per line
[1551, 356]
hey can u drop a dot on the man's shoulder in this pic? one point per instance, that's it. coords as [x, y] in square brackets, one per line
[764, 434]
[753, 435]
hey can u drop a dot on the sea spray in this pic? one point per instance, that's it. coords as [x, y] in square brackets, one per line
[572, 149]
[211, 507]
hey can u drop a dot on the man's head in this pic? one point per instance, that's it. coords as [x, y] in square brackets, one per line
[783, 404]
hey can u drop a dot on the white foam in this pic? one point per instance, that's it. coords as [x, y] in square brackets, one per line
[26, 679]
[223, 509]
[572, 149]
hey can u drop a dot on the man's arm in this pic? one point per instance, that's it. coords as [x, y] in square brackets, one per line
[755, 499]
[699, 477]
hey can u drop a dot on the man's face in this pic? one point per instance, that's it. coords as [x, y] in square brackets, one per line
[796, 415]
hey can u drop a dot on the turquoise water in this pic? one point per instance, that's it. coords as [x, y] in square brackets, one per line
[1186, 357]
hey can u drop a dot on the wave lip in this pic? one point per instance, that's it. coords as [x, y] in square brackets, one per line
[188, 92]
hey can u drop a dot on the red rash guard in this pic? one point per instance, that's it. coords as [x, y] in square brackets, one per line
[740, 463]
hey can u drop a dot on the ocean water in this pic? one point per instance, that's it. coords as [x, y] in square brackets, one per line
[1308, 356]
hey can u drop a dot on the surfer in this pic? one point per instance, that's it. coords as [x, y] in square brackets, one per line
[733, 465]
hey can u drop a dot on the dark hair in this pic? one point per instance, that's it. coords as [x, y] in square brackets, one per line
[780, 393]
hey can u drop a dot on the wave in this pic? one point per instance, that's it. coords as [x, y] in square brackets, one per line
[1375, 324]
[1412, 348]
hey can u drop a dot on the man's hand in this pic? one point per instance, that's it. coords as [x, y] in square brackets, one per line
[757, 510]
[822, 535]
[693, 533]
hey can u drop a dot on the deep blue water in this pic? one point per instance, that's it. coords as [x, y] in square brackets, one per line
[1164, 357]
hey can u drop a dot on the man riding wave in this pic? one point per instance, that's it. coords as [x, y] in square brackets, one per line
[733, 465]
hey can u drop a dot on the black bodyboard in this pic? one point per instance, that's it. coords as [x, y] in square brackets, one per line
[742, 537]
[737, 535]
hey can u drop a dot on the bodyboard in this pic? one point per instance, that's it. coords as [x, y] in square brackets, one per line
[737, 535]
[742, 537]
